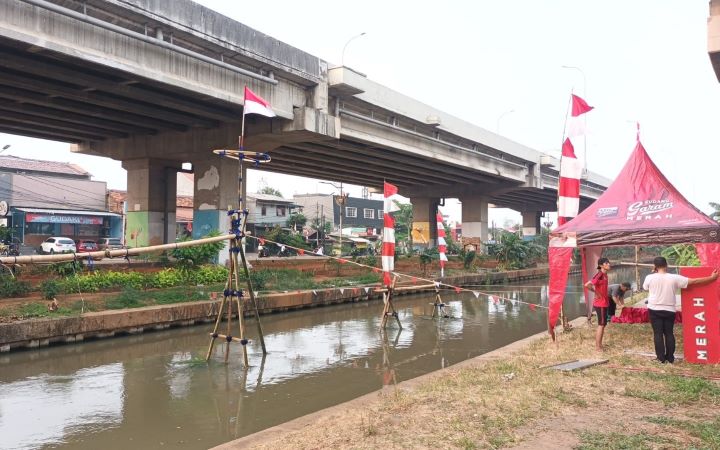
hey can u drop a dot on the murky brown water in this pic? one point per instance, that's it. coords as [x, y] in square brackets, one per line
[149, 391]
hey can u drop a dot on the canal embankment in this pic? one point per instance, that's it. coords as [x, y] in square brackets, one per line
[508, 398]
[42, 332]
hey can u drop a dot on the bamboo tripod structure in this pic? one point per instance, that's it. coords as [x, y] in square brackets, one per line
[438, 305]
[389, 307]
[232, 291]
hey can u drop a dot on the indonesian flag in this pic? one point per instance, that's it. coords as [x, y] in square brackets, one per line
[569, 189]
[442, 245]
[254, 104]
[388, 245]
[576, 123]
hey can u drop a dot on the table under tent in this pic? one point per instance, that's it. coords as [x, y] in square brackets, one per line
[641, 207]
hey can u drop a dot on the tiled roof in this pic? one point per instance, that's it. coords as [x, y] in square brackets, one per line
[117, 197]
[14, 163]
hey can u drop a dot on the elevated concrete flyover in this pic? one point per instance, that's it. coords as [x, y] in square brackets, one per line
[156, 83]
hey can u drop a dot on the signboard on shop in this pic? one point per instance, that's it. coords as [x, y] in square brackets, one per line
[701, 319]
[59, 218]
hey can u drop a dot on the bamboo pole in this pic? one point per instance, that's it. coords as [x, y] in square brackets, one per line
[63, 257]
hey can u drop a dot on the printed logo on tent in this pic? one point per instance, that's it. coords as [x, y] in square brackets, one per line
[610, 211]
[650, 210]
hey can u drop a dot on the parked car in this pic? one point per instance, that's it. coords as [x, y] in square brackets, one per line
[110, 244]
[55, 244]
[86, 246]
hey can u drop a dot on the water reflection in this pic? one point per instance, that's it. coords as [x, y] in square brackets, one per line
[46, 408]
[154, 390]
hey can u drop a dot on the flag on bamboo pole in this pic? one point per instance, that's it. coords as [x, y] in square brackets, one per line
[442, 245]
[254, 104]
[569, 184]
[388, 245]
[576, 121]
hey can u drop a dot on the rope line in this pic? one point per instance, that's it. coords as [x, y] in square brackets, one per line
[457, 289]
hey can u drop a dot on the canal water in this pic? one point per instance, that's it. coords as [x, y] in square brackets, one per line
[154, 391]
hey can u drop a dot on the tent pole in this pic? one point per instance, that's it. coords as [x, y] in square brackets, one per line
[637, 267]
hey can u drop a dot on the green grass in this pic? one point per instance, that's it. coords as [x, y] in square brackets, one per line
[134, 298]
[707, 431]
[677, 390]
[618, 441]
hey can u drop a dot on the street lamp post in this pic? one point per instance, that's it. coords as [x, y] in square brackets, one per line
[347, 43]
[584, 116]
[341, 203]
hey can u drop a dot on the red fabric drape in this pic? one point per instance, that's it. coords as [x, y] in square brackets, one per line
[559, 259]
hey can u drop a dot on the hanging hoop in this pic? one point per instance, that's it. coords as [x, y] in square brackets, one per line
[256, 157]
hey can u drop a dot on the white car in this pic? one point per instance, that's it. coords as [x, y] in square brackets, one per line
[54, 245]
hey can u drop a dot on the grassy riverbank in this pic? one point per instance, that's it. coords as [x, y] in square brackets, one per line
[511, 401]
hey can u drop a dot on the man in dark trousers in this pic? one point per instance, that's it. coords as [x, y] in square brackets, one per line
[661, 287]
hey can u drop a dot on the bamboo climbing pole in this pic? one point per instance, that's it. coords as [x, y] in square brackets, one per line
[233, 293]
[438, 305]
[389, 307]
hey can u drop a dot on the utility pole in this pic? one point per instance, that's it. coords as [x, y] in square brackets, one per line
[317, 222]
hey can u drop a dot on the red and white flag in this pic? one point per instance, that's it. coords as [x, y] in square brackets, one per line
[254, 104]
[576, 123]
[442, 244]
[569, 189]
[388, 246]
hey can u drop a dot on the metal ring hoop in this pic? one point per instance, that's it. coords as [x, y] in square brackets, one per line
[256, 157]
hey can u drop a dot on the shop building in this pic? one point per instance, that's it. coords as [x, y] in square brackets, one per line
[39, 199]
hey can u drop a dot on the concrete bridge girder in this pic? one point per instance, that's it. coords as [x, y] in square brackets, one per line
[363, 130]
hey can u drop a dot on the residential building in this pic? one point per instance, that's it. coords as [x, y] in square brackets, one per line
[357, 212]
[39, 199]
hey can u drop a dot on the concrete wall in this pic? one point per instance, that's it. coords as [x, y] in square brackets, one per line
[41, 191]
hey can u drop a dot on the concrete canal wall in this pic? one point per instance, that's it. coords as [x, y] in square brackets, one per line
[43, 332]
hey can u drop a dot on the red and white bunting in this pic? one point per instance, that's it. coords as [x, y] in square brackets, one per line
[388, 246]
[442, 245]
[570, 167]
[569, 189]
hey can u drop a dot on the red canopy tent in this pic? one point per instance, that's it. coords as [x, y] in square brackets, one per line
[640, 207]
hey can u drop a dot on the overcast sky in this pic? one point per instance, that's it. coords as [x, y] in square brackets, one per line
[642, 60]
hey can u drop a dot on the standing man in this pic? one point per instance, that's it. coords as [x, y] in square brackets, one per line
[661, 287]
[599, 285]
[617, 297]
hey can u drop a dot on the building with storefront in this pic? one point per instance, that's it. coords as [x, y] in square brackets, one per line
[39, 199]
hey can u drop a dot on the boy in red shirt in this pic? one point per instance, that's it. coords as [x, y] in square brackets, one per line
[599, 285]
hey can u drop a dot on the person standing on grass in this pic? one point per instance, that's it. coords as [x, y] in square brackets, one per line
[661, 287]
[599, 285]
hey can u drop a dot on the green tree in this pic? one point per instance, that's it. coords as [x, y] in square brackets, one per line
[681, 255]
[198, 254]
[512, 252]
[281, 236]
[270, 191]
[403, 223]
[296, 220]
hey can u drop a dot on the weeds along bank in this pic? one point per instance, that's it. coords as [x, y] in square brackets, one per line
[508, 399]
[180, 297]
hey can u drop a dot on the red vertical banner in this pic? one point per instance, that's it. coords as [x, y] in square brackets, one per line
[701, 319]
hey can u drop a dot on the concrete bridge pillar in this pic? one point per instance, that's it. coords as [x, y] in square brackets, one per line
[424, 230]
[474, 220]
[216, 190]
[151, 201]
[531, 223]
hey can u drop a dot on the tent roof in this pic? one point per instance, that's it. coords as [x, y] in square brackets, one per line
[640, 207]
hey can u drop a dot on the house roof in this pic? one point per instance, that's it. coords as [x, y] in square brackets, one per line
[14, 163]
[269, 198]
[640, 207]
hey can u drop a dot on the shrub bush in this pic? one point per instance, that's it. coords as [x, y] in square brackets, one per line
[50, 289]
[11, 287]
